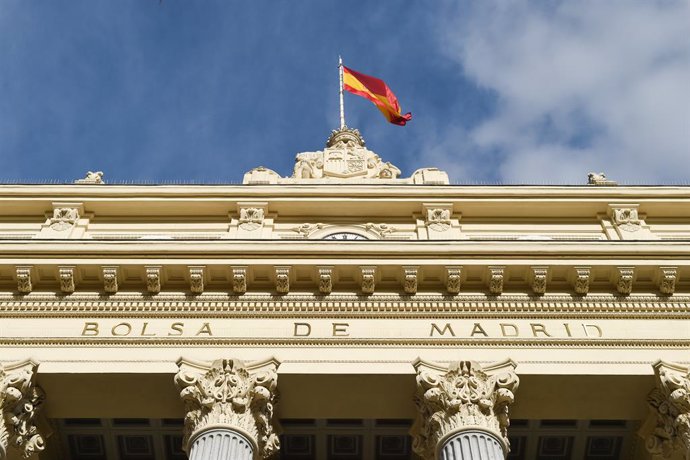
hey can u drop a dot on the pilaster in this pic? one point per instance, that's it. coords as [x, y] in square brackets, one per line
[20, 402]
[228, 400]
[460, 404]
[667, 430]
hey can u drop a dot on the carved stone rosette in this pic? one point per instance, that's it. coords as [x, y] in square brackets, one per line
[20, 401]
[670, 406]
[229, 393]
[460, 397]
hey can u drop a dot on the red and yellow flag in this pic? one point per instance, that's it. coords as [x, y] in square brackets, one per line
[377, 92]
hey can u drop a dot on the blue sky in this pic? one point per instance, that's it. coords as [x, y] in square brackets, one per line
[500, 91]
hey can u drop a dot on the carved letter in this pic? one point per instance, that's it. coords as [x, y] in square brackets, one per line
[127, 329]
[447, 327]
[341, 329]
[515, 333]
[176, 327]
[478, 329]
[297, 332]
[539, 328]
[90, 329]
[205, 329]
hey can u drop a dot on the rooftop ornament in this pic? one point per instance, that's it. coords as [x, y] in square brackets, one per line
[92, 178]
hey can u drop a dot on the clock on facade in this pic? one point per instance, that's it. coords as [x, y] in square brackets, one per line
[344, 236]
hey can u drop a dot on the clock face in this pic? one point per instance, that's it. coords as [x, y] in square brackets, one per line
[344, 236]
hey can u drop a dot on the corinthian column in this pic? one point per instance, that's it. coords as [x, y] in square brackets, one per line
[20, 401]
[668, 428]
[229, 409]
[463, 410]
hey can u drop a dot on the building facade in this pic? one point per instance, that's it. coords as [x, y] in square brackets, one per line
[344, 313]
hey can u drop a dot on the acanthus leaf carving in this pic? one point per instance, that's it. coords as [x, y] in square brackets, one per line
[581, 280]
[307, 229]
[453, 279]
[239, 280]
[624, 281]
[667, 280]
[66, 277]
[462, 395]
[282, 279]
[196, 279]
[382, 230]
[24, 282]
[325, 280]
[110, 279]
[670, 408]
[410, 280]
[230, 393]
[20, 402]
[368, 283]
[539, 278]
[153, 279]
[496, 280]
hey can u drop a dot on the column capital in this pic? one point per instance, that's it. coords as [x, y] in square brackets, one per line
[228, 393]
[668, 428]
[20, 401]
[461, 396]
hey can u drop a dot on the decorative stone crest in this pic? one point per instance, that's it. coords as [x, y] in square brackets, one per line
[539, 275]
[282, 280]
[670, 407]
[667, 280]
[24, 284]
[581, 280]
[251, 218]
[496, 280]
[196, 279]
[325, 280]
[410, 280]
[20, 402]
[626, 218]
[624, 281]
[461, 396]
[153, 279]
[239, 280]
[66, 278]
[233, 394]
[110, 280]
[368, 279]
[345, 157]
[63, 218]
[453, 276]
[92, 178]
[438, 219]
[382, 230]
[599, 179]
[307, 229]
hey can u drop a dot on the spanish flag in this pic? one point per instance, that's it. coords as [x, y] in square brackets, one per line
[377, 92]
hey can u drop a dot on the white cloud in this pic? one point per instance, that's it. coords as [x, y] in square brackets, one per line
[580, 86]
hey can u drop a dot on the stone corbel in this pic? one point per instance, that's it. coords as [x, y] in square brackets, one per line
[538, 279]
[580, 280]
[153, 279]
[24, 278]
[666, 280]
[20, 403]
[623, 278]
[667, 429]
[196, 278]
[463, 396]
[232, 395]
[325, 280]
[410, 279]
[110, 282]
[368, 279]
[453, 279]
[66, 278]
[239, 279]
[282, 279]
[495, 279]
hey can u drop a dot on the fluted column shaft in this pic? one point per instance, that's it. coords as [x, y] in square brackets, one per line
[471, 445]
[221, 444]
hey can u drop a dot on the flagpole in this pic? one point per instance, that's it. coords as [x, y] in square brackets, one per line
[342, 104]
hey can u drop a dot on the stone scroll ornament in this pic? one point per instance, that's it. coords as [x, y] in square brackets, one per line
[20, 402]
[461, 396]
[229, 393]
[670, 407]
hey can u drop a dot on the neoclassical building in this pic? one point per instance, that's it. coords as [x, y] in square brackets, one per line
[344, 313]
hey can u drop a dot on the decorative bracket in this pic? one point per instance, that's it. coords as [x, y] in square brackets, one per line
[325, 280]
[667, 277]
[410, 280]
[239, 279]
[196, 279]
[581, 280]
[24, 281]
[368, 283]
[282, 279]
[453, 279]
[110, 279]
[153, 279]
[538, 279]
[624, 279]
[496, 275]
[66, 278]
